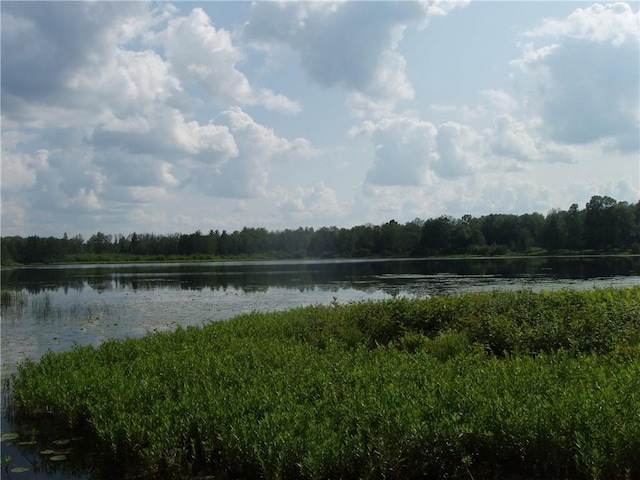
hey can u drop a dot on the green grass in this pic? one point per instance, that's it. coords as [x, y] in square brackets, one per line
[486, 385]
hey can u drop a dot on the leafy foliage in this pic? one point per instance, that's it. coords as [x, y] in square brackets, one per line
[477, 385]
[604, 225]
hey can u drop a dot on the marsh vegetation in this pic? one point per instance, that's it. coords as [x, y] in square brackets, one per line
[482, 385]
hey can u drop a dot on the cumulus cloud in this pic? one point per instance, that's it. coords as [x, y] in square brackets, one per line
[404, 148]
[108, 93]
[584, 73]
[510, 194]
[203, 56]
[475, 195]
[246, 174]
[459, 150]
[510, 138]
[302, 205]
[123, 81]
[20, 170]
[408, 151]
[377, 204]
[107, 106]
[64, 181]
[615, 23]
[501, 100]
[70, 50]
[353, 45]
[55, 39]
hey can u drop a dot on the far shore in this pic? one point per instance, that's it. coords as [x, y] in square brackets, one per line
[111, 259]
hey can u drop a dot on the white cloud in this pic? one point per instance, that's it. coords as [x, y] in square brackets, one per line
[19, 169]
[460, 150]
[404, 149]
[510, 138]
[146, 194]
[353, 45]
[72, 184]
[164, 133]
[114, 90]
[110, 106]
[304, 205]
[508, 194]
[408, 151]
[584, 76]
[377, 204]
[475, 195]
[205, 57]
[246, 174]
[124, 80]
[54, 40]
[501, 100]
[84, 200]
[616, 23]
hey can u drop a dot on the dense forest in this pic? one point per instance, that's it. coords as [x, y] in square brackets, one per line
[604, 225]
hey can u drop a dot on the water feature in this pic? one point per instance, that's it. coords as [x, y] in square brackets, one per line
[53, 308]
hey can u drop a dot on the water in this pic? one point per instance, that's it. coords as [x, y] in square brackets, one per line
[53, 308]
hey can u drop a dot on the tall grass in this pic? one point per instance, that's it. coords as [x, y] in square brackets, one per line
[470, 386]
[13, 299]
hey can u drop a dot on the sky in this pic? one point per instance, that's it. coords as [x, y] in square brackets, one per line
[165, 117]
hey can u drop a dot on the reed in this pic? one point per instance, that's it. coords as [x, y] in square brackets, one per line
[486, 385]
[13, 299]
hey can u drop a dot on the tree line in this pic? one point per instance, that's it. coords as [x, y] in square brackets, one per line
[604, 225]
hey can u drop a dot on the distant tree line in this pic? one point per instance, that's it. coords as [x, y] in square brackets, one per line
[604, 225]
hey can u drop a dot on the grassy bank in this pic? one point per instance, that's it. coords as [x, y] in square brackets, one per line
[123, 258]
[472, 386]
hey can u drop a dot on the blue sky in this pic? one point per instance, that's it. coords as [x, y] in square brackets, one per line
[172, 117]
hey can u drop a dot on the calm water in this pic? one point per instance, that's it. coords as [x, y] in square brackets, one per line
[56, 307]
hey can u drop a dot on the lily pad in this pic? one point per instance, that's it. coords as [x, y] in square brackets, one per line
[46, 452]
[32, 442]
[64, 441]
[19, 470]
[58, 458]
[8, 436]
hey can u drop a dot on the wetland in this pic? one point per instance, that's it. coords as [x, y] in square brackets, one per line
[94, 308]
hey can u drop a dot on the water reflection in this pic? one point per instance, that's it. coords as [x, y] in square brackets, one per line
[252, 277]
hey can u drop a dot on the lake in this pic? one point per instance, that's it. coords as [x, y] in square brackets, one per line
[55, 307]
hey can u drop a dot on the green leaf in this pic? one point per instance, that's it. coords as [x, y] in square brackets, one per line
[46, 452]
[19, 470]
[58, 458]
[8, 436]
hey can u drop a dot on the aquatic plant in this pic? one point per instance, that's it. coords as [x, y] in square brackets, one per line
[476, 385]
[13, 299]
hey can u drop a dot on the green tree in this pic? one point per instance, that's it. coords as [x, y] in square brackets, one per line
[575, 228]
[599, 222]
[390, 239]
[553, 236]
[436, 235]
[99, 243]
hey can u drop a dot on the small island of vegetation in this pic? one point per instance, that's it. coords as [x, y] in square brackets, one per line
[482, 385]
